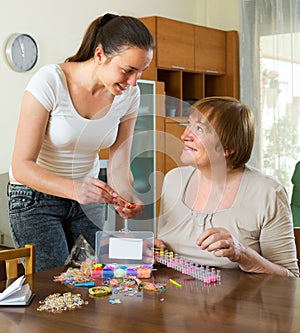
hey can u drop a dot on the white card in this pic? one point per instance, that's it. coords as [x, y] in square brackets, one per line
[126, 248]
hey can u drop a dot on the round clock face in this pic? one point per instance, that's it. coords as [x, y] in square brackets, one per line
[21, 52]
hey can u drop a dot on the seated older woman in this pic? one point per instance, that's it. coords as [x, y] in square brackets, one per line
[218, 211]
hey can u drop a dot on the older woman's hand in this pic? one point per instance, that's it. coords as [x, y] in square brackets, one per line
[158, 243]
[221, 243]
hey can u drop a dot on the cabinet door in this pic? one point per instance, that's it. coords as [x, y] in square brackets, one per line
[175, 44]
[173, 142]
[210, 50]
[151, 72]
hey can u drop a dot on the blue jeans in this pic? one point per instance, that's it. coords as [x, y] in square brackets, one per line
[52, 223]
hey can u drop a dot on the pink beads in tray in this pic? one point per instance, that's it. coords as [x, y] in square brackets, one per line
[172, 260]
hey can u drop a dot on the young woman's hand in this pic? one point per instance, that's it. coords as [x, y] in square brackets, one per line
[94, 190]
[126, 209]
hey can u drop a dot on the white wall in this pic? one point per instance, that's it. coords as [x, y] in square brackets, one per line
[221, 14]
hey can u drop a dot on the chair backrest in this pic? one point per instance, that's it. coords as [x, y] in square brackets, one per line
[12, 259]
[297, 241]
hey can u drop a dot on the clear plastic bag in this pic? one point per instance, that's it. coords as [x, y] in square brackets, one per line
[80, 252]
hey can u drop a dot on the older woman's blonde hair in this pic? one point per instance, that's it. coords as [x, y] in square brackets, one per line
[233, 122]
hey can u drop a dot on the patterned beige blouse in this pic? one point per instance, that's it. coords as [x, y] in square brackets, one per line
[260, 218]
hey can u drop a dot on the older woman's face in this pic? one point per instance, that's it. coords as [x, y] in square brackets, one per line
[202, 148]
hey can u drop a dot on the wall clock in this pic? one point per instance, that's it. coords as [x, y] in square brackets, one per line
[21, 52]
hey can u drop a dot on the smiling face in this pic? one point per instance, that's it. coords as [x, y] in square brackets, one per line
[202, 148]
[123, 69]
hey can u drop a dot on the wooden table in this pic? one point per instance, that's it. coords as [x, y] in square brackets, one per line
[241, 303]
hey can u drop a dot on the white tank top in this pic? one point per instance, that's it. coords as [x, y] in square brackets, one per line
[71, 143]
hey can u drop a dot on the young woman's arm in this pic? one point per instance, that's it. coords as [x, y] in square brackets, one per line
[30, 133]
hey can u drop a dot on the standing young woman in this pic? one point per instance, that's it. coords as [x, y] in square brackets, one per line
[70, 111]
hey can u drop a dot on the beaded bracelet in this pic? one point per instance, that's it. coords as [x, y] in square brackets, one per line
[100, 291]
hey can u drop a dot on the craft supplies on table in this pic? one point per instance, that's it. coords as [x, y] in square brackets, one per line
[57, 303]
[172, 260]
[124, 253]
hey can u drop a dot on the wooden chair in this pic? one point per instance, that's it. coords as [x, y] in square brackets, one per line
[12, 258]
[297, 241]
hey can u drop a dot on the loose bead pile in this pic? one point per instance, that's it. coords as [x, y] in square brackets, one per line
[57, 303]
[114, 300]
[172, 260]
[128, 286]
[72, 276]
[154, 286]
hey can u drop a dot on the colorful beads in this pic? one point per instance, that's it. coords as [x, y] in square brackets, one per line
[120, 272]
[144, 272]
[97, 271]
[72, 276]
[57, 303]
[77, 276]
[114, 300]
[152, 286]
[108, 271]
[131, 271]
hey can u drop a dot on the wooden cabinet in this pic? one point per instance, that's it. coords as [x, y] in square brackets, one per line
[210, 50]
[194, 62]
[174, 128]
[175, 44]
[151, 72]
[232, 78]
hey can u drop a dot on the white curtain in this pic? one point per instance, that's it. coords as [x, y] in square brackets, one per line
[270, 82]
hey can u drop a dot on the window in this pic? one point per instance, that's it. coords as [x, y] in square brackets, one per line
[270, 83]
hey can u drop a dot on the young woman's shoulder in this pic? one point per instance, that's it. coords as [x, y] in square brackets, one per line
[47, 84]
[48, 73]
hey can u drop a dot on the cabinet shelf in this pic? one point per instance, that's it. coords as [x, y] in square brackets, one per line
[192, 86]
[173, 81]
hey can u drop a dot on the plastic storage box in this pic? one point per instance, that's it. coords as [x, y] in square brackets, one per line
[125, 253]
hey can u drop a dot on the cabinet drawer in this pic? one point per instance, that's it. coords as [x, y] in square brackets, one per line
[210, 50]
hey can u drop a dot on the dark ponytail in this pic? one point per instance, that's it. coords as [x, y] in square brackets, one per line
[113, 32]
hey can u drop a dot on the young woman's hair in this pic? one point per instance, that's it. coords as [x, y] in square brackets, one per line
[233, 122]
[113, 32]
